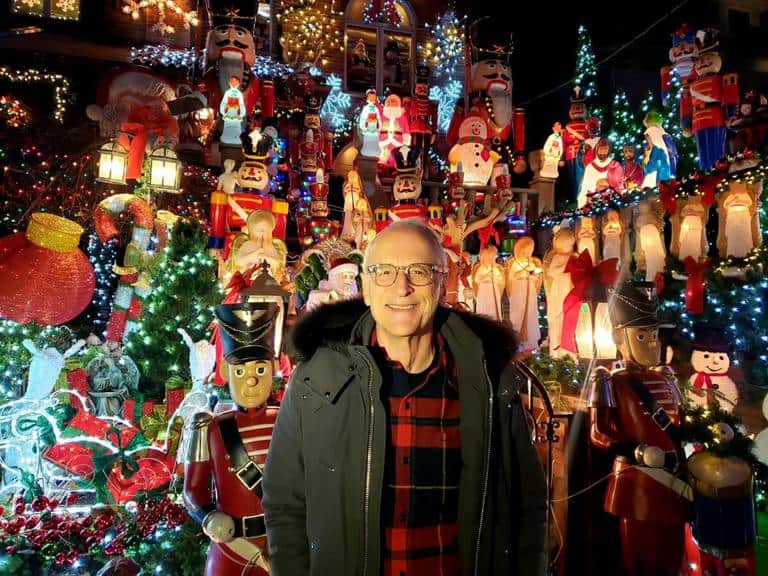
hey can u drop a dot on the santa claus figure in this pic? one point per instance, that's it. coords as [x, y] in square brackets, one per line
[710, 381]
[473, 151]
[226, 452]
[394, 131]
[603, 172]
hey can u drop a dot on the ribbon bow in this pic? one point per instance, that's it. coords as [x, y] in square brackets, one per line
[105, 462]
[694, 286]
[590, 283]
[667, 192]
[485, 154]
[708, 186]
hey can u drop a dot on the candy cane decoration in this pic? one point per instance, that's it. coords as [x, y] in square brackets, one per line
[126, 306]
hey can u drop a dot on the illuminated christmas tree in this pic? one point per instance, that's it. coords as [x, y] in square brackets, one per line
[585, 74]
[184, 290]
[624, 127]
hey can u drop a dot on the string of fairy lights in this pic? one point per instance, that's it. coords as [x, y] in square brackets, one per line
[62, 95]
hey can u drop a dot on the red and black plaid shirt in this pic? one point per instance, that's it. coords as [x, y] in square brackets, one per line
[422, 467]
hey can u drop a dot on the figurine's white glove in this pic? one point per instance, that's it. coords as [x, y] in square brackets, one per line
[219, 527]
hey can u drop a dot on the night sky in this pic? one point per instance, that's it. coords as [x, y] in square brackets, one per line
[545, 36]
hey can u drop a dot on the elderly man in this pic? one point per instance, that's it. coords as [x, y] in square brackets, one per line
[401, 447]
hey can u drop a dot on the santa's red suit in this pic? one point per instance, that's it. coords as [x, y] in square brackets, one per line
[223, 473]
[631, 408]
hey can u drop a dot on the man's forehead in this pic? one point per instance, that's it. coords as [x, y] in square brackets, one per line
[400, 245]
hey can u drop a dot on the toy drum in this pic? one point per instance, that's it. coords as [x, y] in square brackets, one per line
[723, 506]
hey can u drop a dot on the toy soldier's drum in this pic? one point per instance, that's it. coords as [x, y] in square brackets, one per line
[723, 506]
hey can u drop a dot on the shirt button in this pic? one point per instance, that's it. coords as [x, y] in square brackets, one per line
[406, 460]
[403, 518]
[407, 405]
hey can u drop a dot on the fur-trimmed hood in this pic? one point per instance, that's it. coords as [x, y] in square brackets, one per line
[334, 325]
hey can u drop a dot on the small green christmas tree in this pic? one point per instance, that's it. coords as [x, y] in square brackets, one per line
[585, 74]
[624, 127]
[184, 291]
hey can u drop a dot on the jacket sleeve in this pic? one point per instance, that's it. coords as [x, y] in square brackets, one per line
[531, 483]
[284, 494]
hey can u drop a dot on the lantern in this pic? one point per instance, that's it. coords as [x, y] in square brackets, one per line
[594, 332]
[164, 170]
[113, 161]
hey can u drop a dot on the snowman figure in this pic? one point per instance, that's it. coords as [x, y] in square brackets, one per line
[710, 380]
[473, 151]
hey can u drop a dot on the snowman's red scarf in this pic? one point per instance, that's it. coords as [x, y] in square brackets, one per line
[704, 379]
[486, 152]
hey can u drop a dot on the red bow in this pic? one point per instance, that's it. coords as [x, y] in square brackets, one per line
[708, 186]
[586, 278]
[667, 191]
[485, 235]
[694, 286]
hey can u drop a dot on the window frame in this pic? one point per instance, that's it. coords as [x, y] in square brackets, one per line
[382, 30]
[46, 12]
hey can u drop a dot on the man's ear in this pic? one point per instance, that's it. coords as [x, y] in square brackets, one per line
[366, 286]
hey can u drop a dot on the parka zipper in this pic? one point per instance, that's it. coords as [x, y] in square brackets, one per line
[486, 470]
[369, 458]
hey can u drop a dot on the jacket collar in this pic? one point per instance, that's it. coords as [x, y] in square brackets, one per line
[349, 322]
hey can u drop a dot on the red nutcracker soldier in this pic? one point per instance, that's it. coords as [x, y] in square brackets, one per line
[323, 139]
[635, 413]
[422, 114]
[226, 452]
[715, 100]
[490, 89]
[407, 185]
[320, 227]
[230, 210]
[574, 134]
[230, 51]
[683, 55]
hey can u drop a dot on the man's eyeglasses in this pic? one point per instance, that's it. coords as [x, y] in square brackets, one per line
[418, 274]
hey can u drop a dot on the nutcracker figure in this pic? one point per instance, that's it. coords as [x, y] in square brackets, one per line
[422, 114]
[230, 210]
[231, 51]
[715, 99]
[319, 226]
[407, 185]
[574, 134]
[312, 121]
[683, 55]
[227, 451]
[635, 413]
[490, 90]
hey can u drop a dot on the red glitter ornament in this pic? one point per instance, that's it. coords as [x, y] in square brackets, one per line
[44, 276]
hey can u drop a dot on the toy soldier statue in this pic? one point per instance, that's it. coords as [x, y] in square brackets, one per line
[227, 451]
[635, 413]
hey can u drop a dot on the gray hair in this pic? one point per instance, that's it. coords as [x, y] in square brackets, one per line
[417, 226]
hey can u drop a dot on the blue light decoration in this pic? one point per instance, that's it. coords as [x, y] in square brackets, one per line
[446, 97]
[268, 67]
[443, 51]
[102, 257]
[335, 110]
[158, 55]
